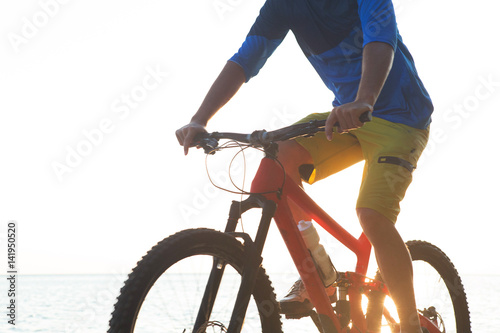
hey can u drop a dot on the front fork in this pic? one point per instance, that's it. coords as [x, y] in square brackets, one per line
[253, 258]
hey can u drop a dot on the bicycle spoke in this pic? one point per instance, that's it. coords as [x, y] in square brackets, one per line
[432, 297]
[173, 302]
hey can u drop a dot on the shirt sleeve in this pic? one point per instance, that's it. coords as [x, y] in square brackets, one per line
[378, 21]
[264, 37]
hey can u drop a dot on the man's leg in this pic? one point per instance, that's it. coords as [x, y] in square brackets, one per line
[395, 265]
[292, 155]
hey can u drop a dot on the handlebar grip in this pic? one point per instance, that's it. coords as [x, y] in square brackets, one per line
[205, 141]
[198, 138]
[364, 118]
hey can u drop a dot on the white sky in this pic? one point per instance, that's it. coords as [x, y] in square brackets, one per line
[68, 73]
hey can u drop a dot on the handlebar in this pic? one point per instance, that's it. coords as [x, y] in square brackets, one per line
[262, 138]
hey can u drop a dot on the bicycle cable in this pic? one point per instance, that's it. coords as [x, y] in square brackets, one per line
[242, 151]
[229, 144]
[234, 144]
[242, 148]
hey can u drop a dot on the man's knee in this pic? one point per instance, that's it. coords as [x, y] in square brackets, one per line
[371, 216]
[374, 224]
[292, 155]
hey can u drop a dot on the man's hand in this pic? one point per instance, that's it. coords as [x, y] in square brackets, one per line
[223, 89]
[347, 116]
[377, 62]
[186, 134]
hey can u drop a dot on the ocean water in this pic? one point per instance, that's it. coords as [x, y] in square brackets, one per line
[83, 303]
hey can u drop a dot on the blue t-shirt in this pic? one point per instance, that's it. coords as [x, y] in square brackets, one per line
[332, 34]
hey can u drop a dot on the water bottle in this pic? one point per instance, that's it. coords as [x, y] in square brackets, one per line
[324, 265]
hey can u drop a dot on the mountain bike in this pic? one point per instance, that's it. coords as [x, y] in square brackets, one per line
[203, 280]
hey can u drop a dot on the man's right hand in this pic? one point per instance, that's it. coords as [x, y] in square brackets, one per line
[186, 134]
[223, 89]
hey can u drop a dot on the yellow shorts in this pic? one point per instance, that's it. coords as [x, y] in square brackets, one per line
[390, 151]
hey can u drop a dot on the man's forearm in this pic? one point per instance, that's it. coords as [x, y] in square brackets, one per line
[377, 63]
[223, 89]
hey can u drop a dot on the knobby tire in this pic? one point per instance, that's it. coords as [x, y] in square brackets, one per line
[442, 265]
[431, 254]
[175, 248]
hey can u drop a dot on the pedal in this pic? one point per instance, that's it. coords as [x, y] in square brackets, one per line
[310, 313]
[313, 314]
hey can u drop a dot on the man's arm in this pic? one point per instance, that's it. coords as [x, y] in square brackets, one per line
[264, 37]
[223, 89]
[377, 63]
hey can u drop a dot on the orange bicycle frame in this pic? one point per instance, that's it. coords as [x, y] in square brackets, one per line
[269, 178]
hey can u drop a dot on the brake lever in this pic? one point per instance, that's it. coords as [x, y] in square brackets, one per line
[209, 145]
[205, 141]
[364, 118]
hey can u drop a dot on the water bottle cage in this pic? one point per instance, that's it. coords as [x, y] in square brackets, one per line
[323, 275]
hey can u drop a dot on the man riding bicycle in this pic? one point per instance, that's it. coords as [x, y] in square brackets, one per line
[355, 47]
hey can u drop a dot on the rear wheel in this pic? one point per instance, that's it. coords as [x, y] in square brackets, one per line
[164, 292]
[439, 293]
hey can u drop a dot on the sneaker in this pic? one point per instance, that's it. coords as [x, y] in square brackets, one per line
[297, 300]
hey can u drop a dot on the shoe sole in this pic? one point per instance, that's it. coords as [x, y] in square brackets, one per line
[300, 308]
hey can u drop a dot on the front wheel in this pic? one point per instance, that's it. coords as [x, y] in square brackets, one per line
[166, 290]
